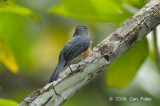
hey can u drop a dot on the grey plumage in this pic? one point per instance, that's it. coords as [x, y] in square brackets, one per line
[75, 46]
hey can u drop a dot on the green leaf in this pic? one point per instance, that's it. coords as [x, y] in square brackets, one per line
[16, 9]
[6, 102]
[95, 10]
[122, 71]
[136, 3]
[6, 56]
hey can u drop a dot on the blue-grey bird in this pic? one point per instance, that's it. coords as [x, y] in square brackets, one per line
[75, 50]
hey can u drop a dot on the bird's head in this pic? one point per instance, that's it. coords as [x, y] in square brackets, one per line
[81, 30]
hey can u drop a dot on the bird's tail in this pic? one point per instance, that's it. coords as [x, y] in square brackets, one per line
[58, 70]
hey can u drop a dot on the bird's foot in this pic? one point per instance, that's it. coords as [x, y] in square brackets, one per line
[70, 68]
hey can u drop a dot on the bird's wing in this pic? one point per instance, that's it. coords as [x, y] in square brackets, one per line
[74, 48]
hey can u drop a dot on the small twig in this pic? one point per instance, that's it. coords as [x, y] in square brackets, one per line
[156, 48]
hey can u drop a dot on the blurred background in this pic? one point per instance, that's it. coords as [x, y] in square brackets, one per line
[32, 48]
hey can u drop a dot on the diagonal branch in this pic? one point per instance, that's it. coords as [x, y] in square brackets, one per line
[102, 55]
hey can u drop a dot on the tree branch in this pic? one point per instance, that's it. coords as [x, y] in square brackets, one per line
[102, 55]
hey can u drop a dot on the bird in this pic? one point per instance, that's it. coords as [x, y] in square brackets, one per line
[74, 51]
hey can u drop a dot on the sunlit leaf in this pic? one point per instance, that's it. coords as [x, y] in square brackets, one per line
[6, 56]
[96, 10]
[16, 9]
[6, 102]
[123, 70]
[136, 3]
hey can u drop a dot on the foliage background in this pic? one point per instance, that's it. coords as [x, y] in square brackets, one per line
[36, 43]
